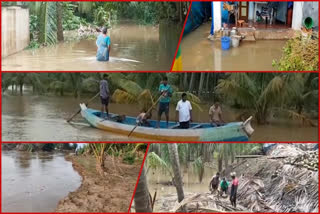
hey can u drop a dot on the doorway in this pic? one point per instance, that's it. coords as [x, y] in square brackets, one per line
[243, 10]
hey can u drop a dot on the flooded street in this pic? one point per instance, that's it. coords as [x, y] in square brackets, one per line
[201, 54]
[43, 118]
[35, 182]
[133, 47]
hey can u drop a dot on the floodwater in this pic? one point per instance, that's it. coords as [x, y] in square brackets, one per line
[157, 180]
[201, 54]
[35, 182]
[133, 47]
[43, 118]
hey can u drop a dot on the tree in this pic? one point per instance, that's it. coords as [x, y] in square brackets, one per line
[142, 199]
[174, 157]
[59, 21]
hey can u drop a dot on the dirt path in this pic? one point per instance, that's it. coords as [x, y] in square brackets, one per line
[111, 193]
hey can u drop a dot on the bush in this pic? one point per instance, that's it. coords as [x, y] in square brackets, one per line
[299, 54]
[129, 158]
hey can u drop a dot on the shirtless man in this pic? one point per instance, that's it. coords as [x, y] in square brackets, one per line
[215, 115]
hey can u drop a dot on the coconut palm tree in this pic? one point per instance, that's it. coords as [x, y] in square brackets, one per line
[142, 199]
[174, 157]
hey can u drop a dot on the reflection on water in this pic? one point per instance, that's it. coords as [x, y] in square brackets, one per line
[133, 47]
[42, 118]
[201, 54]
[35, 182]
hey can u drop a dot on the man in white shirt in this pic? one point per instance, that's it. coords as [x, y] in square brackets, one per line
[184, 110]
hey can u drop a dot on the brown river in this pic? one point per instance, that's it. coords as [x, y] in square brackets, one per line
[133, 47]
[43, 118]
[200, 54]
[35, 182]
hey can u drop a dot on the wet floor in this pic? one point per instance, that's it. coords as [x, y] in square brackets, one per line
[202, 54]
[43, 118]
[133, 47]
[35, 182]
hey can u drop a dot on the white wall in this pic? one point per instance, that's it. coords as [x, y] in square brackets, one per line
[217, 15]
[15, 34]
[297, 15]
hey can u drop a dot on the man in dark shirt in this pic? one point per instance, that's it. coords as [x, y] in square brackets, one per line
[104, 95]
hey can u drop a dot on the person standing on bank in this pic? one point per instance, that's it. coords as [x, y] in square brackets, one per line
[184, 111]
[104, 95]
[166, 92]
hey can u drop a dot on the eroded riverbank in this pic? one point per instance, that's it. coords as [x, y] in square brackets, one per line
[112, 193]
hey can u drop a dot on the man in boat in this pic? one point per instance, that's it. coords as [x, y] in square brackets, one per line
[165, 92]
[214, 183]
[215, 115]
[142, 119]
[234, 189]
[224, 186]
[103, 44]
[184, 112]
[104, 95]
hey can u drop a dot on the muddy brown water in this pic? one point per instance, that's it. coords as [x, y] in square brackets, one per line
[42, 118]
[35, 182]
[200, 54]
[191, 184]
[133, 47]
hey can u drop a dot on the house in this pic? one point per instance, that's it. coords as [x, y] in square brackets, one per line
[258, 14]
[263, 14]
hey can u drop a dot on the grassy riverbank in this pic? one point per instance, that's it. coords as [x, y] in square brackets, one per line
[110, 193]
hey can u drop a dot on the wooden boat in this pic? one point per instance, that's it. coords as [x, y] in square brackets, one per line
[235, 131]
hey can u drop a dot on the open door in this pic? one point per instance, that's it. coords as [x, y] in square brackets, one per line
[243, 10]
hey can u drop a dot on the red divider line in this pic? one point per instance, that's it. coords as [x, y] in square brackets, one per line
[181, 34]
[135, 188]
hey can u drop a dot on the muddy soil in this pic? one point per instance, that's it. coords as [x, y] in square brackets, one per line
[110, 193]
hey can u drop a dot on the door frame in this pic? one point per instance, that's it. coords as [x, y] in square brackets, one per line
[245, 18]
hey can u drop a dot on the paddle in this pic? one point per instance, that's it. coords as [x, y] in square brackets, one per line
[87, 103]
[146, 114]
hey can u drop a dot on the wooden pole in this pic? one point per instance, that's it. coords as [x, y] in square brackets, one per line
[146, 114]
[87, 103]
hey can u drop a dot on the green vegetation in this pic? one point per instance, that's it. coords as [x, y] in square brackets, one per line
[263, 95]
[48, 20]
[197, 155]
[299, 54]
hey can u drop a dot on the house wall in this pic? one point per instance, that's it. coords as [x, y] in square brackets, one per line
[297, 15]
[15, 35]
[311, 9]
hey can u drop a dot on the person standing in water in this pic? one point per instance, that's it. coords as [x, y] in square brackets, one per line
[104, 95]
[103, 44]
[234, 189]
[166, 92]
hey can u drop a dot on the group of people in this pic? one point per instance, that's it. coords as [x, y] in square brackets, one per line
[183, 107]
[223, 186]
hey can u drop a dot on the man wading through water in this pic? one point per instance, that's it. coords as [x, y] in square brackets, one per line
[214, 183]
[104, 96]
[103, 44]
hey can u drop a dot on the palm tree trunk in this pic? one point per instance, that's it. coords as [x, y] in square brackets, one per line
[220, 156]
[43, 22]
[21, 89]
[202, 76]
[185, 81]
[191, 86]
[142, 197]
[59, 21]
[174, 157]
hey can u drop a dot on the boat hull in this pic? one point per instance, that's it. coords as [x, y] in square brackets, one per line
[229, 132]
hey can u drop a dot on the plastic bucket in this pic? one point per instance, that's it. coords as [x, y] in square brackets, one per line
[235, 40]
[225, 43]
[308, 22]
